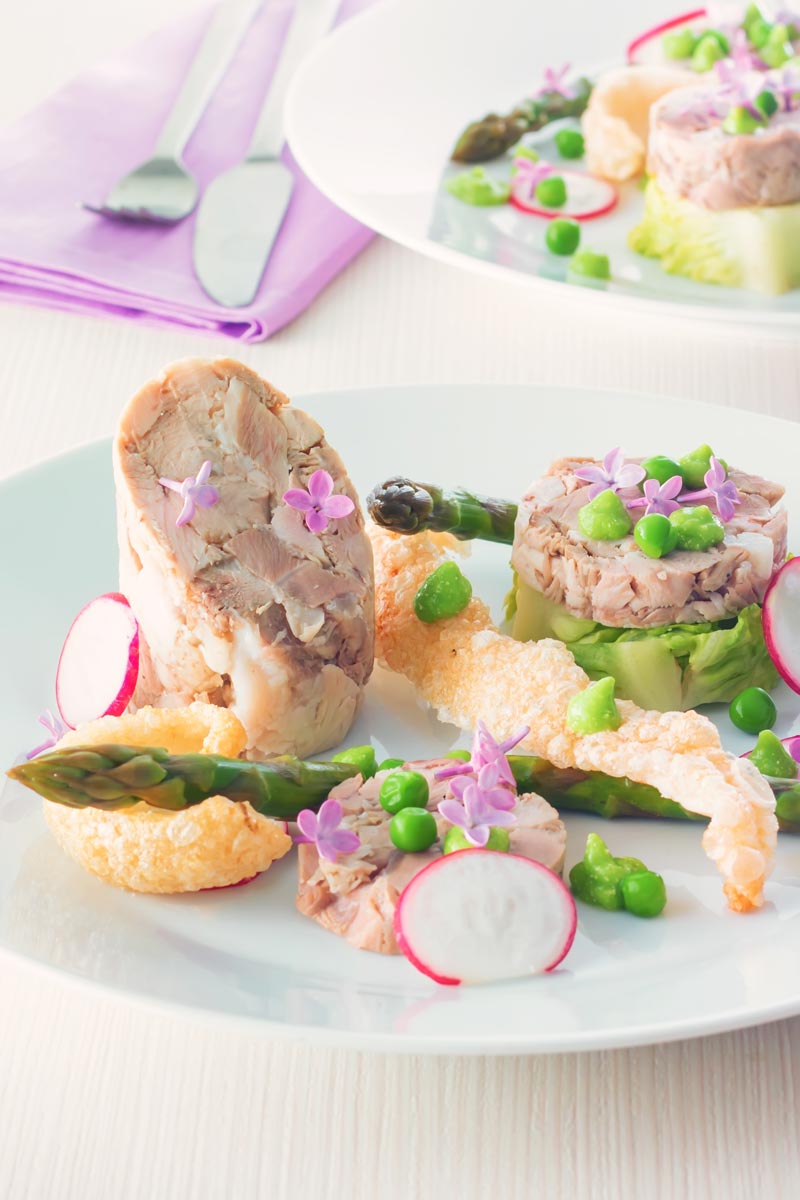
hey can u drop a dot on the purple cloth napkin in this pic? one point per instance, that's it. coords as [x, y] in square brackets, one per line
[79, 142]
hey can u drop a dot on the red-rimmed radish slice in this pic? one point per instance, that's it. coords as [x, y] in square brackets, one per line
[781, 620]
[99, 661]
[481, 915]
[645, 50]
[587, 197]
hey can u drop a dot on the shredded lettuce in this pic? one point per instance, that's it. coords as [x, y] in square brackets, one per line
[755, 248]
[674, 667]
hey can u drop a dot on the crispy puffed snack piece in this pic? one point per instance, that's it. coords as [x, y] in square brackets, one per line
[213, 844]
[468, 671]
[617, 118]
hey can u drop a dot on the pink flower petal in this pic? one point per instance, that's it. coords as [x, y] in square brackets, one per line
[204, 473]
[187, 512]
[591, 474]
[172, 484]
[316, 521]
[478, 835]
[299, 499]
[452, 811]
[320, 486]
[629, 475]
[206, 495]
[501, 818]
[344, 841]
[307, 823]
[338, 506]
[329, 817]
[459, 785]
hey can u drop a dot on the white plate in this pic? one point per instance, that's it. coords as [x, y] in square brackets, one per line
[374, 112]
[246, 952]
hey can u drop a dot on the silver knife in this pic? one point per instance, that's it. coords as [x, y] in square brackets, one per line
[242, 210]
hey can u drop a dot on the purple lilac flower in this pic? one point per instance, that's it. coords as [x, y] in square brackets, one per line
[554, 81]
[615, 474]
[529, 175]
[659, 497]
[479, 804]
[719, 488]
[322, 830]
[195, 491]
[319, 503]
[739, 85]
[55, 728]
[487, 752]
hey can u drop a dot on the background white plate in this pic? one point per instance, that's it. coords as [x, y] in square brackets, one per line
[374, 112]
[246, 952]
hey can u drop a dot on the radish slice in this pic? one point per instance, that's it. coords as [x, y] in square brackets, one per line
[642, 52]
[781, 620]
[99, 661]
[587, 197]
[480, 915]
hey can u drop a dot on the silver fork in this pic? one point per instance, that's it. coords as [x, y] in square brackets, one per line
[161, 189]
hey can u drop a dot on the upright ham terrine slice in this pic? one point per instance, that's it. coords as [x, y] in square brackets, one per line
[356, 896]
[244, 605]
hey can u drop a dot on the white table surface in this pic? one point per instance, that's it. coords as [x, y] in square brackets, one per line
[101, 1099]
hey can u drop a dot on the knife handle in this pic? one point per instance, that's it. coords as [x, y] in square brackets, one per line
[226, 30]
[312, 20]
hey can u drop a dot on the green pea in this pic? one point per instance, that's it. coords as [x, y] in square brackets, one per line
[389, 764]
[693, 466]
[551, 191]
[362, 757]
[740, 120]
[722, 40]
[591, 265]
[606, 519]
[563, 236]
[707, 52]
[772, 758]
[404, 789]
[643, 893]
[456, 839]
[594, 709]
[459, 755]
[570, 143]
[766, 103]
[661, 468]
[655, 535]
[445, 593]
[413, 830]
[680, 43]
[602, 863]
[753, 710]
[697, 528]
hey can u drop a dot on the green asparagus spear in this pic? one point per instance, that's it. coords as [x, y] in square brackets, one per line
[408, 507]
[494, 134]
[112, 777]
[571, 790]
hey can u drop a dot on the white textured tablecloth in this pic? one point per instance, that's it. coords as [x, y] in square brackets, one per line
[101, 1100]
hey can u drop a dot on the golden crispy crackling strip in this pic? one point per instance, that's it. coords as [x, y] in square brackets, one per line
[469, 671]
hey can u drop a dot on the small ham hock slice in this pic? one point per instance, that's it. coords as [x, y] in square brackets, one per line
[356, 896]
[243, 606]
